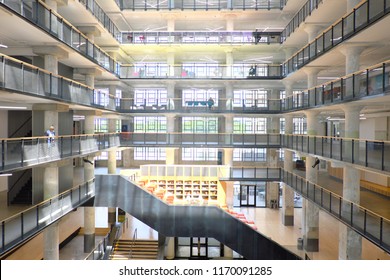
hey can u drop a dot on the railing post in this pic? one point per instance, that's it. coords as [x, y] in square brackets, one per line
[22, 225]
[3, 154]
[383, 155]
[3, 236]
[22, 154]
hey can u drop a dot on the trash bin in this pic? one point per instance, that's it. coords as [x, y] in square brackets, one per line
[300, 243]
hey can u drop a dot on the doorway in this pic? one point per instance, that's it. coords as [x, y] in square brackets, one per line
[248, 195]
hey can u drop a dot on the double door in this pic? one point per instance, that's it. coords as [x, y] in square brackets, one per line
[252, 195]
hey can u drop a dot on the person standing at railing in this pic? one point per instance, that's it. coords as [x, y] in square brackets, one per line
[50, 133]
[210, 102]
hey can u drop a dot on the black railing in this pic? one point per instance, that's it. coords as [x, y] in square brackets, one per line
[39, 14]
[196, 5]
[300, 17]
[19, 153]
[22, 226]
[361, 17]
[201, 37]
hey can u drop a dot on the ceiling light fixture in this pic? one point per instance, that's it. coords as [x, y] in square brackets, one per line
[13, 107]
[3, 46]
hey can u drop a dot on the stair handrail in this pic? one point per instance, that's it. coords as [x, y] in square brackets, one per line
[20, 127]
[133, 243]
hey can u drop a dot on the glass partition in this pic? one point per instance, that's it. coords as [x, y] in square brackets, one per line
[372, 226]
[361, 17]
[200, 5]
[24, 225]
[30, 151]
[200, 70]
[53, 23]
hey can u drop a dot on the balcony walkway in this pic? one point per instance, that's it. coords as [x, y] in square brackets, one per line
[267, 221]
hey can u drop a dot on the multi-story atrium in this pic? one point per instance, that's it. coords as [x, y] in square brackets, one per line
[254, 129]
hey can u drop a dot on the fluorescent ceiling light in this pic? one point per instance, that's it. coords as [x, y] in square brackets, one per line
[3, 46]
[13, 107]
[5, 174]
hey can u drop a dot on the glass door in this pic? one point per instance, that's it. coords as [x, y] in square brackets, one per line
[248, 195]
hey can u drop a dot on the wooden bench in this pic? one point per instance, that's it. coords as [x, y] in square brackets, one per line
[375, 188]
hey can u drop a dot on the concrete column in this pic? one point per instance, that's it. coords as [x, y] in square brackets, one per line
[230, 19]
[111, 163]
[288, 192]
[229, 90]
[350, 243]
[229, 62]
[312, 30]
[171, 21]
[51, 242]
[173, 103]
[91, 32]
[351, 130]
[51, 55]
[171, 153]
[89, 173]
[90, 74]
[352, 64]
[310, 216]
[352, 57]
[312, 76]
[352, 121]
[170, 248]
[228, 128]
[89, 229]
[173, 71]
[273, 127]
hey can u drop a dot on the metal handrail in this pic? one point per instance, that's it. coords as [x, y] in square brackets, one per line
[133, 244]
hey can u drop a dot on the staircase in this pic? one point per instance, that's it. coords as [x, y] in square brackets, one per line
[24, 195]
[139, 249]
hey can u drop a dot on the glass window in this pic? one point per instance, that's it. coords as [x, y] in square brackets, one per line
[300, 126]
[101, 125]
[150, 124]
[200, 125]
[199, 95]
[250, 125]
[150, 97]
[149, 153]
[104, 156]
[199, 154]
[250, 98]
[252, 154]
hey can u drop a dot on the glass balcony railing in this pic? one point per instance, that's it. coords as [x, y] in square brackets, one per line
[150, 5]
[370, 225]
[367, 13]
[201, 71]
[26, 224]
[300, 17]
[369, 82]
[200, 139]
[202, 37]
[101, 16]
[182, 105]
[368, 153]
[41, 15]
[27, 152]
[19, 76]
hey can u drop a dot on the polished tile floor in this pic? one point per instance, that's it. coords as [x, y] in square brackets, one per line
[268, 222]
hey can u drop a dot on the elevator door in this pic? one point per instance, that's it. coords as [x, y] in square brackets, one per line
[248, 195]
